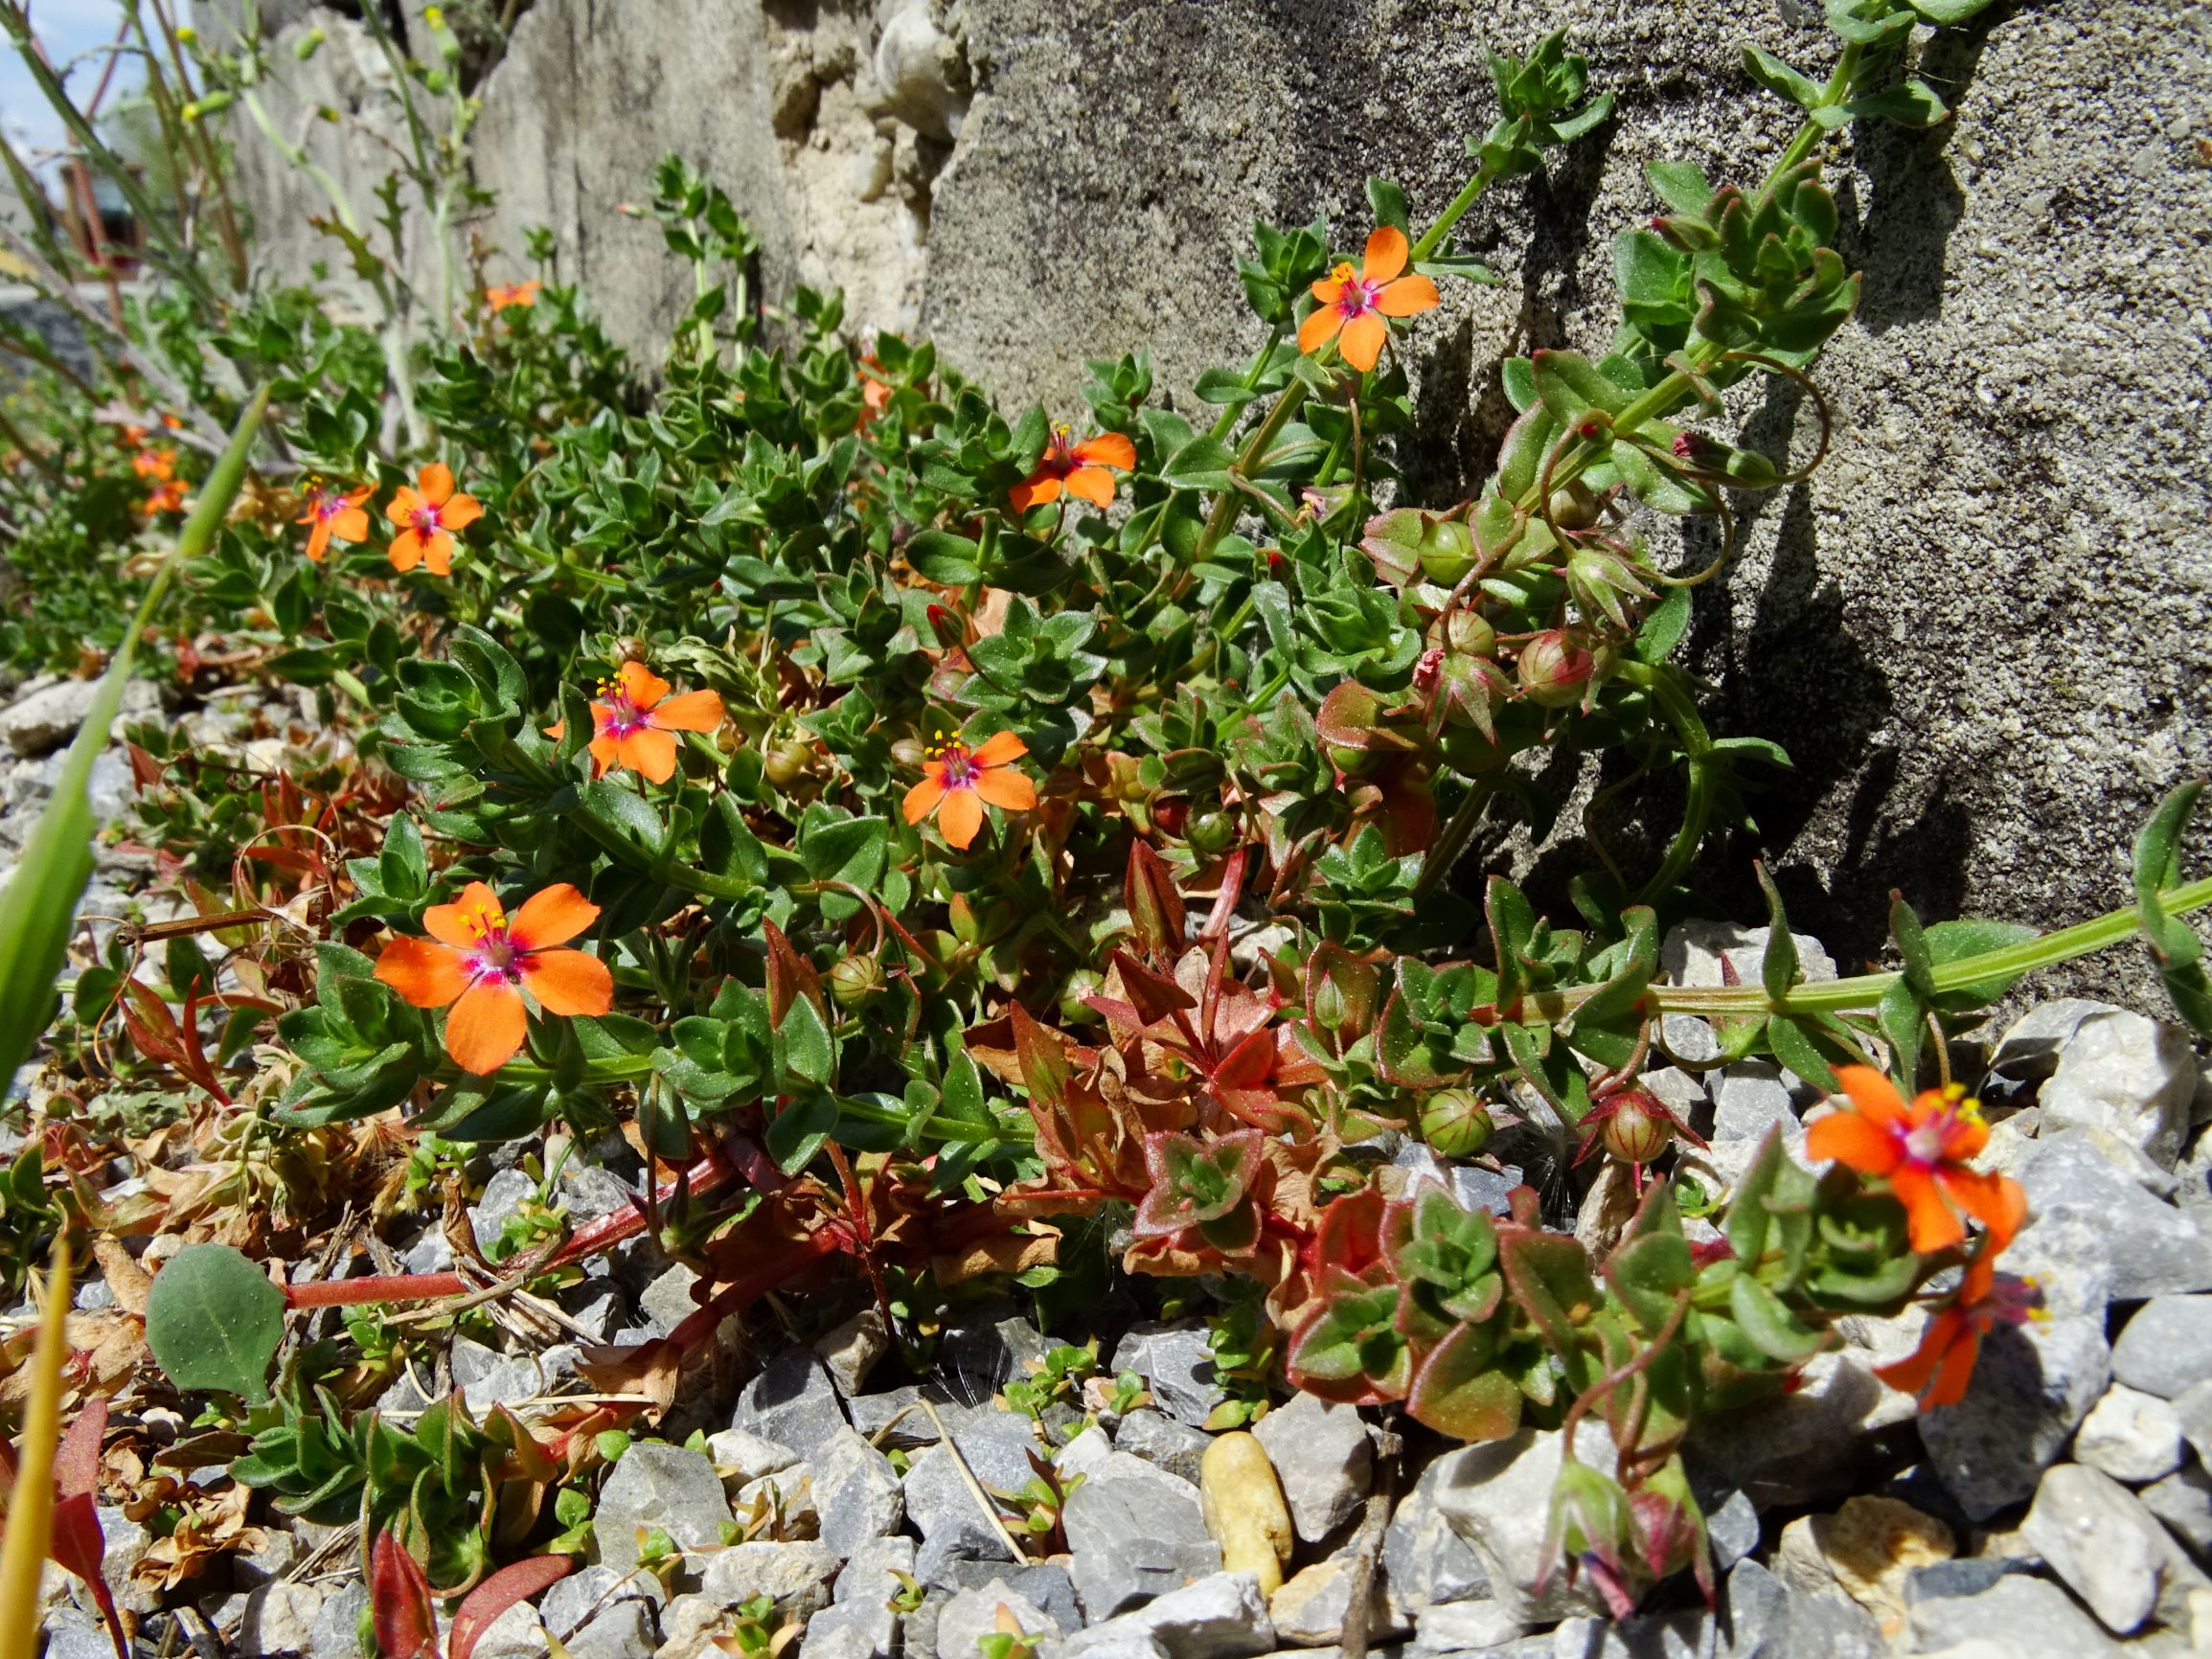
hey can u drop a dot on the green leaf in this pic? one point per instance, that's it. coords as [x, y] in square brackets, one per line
[940, 556]
[796, 1133]
[1777, 76]
[1388, 203]
[214, 1320]
[1663, 629]
[809, 1052]
[1520, 376]
[1950, 942]
[1948, 12]
[1773, 1330]
[1680, 184]
[37, 907]
[1778, 967]
[1911, 104]
[1912, 945]
[1458, 1391]
[1204, 462]
[1790, 1041]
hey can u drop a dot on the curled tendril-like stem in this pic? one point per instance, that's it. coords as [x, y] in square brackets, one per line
[1819, 409]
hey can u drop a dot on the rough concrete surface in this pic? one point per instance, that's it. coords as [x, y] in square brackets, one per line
[1981, 628]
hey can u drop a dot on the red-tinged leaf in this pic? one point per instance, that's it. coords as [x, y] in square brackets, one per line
[1248, 1063]
[500, 1592]
[80, 1547]
[1353, 716]
[1155, 907]
[1043, 1060]
[144, 769]
[790, 976]
[76, 1460]
[1350, 1236]
[1153, 995]
[1457, 1390]
[151, 1024]
[405, 1624]
[1225, 909]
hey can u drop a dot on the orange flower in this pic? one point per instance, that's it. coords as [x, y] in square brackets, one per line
[1354, 306]
[502, 295]
[630, 728]
[874, 391]
[1081, 469]
[481, 963]
[431, 514]
[961, 780]
[333, 513]
[1938, 1369]
[1920, 1151]
[159, 464]
[167, 498]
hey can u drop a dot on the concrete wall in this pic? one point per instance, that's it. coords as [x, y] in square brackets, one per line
[1981, 628]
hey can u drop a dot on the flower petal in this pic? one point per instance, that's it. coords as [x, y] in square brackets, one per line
[603, 755]
[691, 712]
[1039, 486]
[1998, 1204]
[1874, 1095]
[569, 982]
[1407, 296]
[407, 550]
[550, 916]
[318, 539]
[1850, 1139]
[486, 1025]
[1910, 1374]
[350, 524]
[424, 973]
[651, 755]
[1957, 1370]
[1965, 1139]
[460, 513]
[1933, 1224]
[1320, 328]
[1362, 340]
[438, 555]
[922, 799]
[1004, 786]
[404, 504]
[1092, 484]
[454, 923]
[1385, 256]
[436, 482]
[999, 748]
[1329, 290]
[960, 817]
[1108, 450]
[641, 684]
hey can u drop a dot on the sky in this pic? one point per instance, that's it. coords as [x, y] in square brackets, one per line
[67, 28]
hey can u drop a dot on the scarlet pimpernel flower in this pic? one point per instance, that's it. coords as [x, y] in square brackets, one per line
[157, 463]
[429, 514]
[167, 496]
[1922, 1149]
[1084, 470]
[1939, 1369]
[958, 780]
[501, 295]
[634, 717]
[480, 961]
[333, 515]
[1353, 303]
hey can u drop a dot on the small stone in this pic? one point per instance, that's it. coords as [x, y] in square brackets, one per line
[1690, 1633]
[2133, 1078]
[1159, 1438]
[742, 1456]
[1732, 1529]
[266, 1562]
[939, 1501]
[1456, 1627]
[623, 1630]
[857, 1492]
[2029, 1053]
[336, 1632]
[1750, 1099]
[1221, 1616]
[2149, 1247]
[1970, 1576]
[78, 1642]
[589, 1591]
[1178, 1365]
[1801, 1447]
[1865, 1550]
[1425, 1561]
[504, 1196]
[792, 1401]
[852, 1350]
[658, 1485]
[1324, 1458]
[971, 1615]
[1136, 1535]
[894, 1418]
[1241, 1502]
[788, 1492]
[2166, 1347]
[872, 1573]
[2109, 1549]
[2021, 1614]
[987, 1348]
[667, 1302]
[797, 1576]
[2131, 1436]
[279, 1618]
[124, 1542]
[47, 718]
[1770, 1620]
[851, 1630]
[1310, 1609]
[1477, 1188]
[1497, 1495]
[2183, 1501]
[590, 1194]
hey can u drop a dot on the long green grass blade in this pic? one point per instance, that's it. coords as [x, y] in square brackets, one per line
[39, 904]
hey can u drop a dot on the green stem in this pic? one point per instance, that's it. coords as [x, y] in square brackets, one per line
[1664, 683]
[1437, 864]
[1453, 213]
[1225, 504]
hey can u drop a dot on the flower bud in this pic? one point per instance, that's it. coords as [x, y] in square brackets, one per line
[1638, 1129]
[1455, 1122]
[788, 762]
[1328, 1009]
[1554, 669]
[188, 35]
[1467, 633]
[1210, 832]
[309, 44]
[854, 980]
[1573, 507]
[1082, 983]
[1447, 551]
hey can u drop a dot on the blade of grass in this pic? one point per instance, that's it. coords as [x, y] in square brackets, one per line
[30, 1512]
[37, 907]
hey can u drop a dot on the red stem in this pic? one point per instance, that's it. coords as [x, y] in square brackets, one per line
[704, 1176]
[383, 1287]
[698, 1327]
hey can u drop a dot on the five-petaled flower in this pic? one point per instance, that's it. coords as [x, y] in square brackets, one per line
[501, 295]
[168, 496]
[429, 514]
[156, 464]
[333, 513]
[1353, 303]
[631, 722]
[1922, 1151]
[481, 961]
[958, 780]
[1079, 470]
[1938, 1369]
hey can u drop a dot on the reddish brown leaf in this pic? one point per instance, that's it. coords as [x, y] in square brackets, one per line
[498, 1593]
[1155, 906]
[1043, 1059]
[790, 976]
[407, 1626]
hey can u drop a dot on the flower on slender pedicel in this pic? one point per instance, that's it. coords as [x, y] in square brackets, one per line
[332, 515]
[501, 295]
[156, 464]
[429, 514]
[958, 780]
[1937, 1370]
[1085, 469]
[480, 961]
[631, 722]
[1353, 305]
[1922, 1151]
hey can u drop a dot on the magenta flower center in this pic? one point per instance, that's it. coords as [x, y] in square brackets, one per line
[623, 716]
[956, 768]
[1356, 296]
[330, 506]
[496, 956]
[424, 519]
